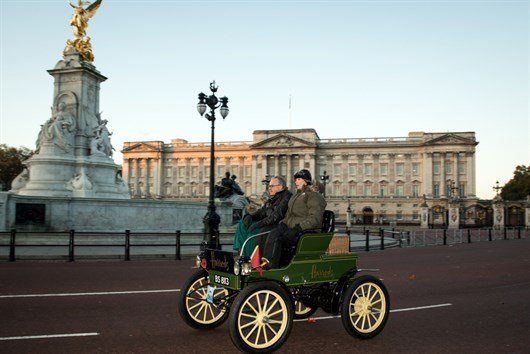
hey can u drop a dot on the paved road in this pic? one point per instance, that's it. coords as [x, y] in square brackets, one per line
[487, 285]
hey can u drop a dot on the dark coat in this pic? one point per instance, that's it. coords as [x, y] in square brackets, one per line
[306, 208]
[272, 211]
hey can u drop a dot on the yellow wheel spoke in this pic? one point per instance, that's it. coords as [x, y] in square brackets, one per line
[362, 291]
[205, 312]
[266, 302]
[203, 305]
[275, 313]
[252, 307]
[265, 334]
[360, 316]
[210, 308]
[247, 315]
[272, 330]
[257, 336]
[251, 331]
[275, 321]
[363, 321]
[375, 318]
[375, 302]
[248, 324]
[194, 306]
[373, 296]
[259, 302]
[272, 305]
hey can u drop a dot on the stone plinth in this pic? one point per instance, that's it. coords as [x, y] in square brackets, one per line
[454, 216]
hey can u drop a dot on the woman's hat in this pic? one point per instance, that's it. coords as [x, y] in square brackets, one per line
[303, 174]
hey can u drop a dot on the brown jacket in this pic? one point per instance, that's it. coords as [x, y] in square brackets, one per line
[306, 208]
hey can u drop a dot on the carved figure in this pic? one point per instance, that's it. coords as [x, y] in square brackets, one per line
[121, 185]
[101, 140]
[228, 187]
[20, 181]
[80, 182]
[79, 21]
[61, 127]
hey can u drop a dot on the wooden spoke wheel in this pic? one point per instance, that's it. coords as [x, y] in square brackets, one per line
[365, 307]
[302, 311]
[194, 309]
[261, 318]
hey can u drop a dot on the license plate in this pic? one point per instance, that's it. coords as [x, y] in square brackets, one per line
[219, 279]
[209, 294]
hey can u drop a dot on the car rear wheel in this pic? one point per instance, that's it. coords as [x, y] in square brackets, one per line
[365, 307]
[261, 318]
[194, 309]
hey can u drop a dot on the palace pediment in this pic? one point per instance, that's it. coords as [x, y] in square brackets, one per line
[142, 147]
[450, 139]
[283, 141]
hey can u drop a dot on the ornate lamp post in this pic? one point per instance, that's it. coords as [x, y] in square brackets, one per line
[348, 215]
[453, 190]
[212, 219]
[324, 178]
[497, 187]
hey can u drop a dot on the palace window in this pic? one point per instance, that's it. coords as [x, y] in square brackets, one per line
[336, 189]
[168, 172]
[436, 190]
[384, 169]
[436, 168]
[180, 190]
[415, 215]
[462, 189]
[352, 190]
[182, 172]
[131, 172]
[383, 190]
[283, 168]
[367, 169]
[367, 189]
[461, 168]
[399, 190]
[415, 190]
[220, 171]
[248, 171]
[415, 168]
[351, 169]
[448, 167]
[399, 215]
[399, 169]
[194, 170]
[167, 190]
[337, 169]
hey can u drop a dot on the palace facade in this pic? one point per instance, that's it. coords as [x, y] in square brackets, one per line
[382, 180]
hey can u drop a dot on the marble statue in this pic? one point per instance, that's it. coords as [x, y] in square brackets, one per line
[101, 140]
[122, 185]
[80, 182]
[21, 180]
[59, 129]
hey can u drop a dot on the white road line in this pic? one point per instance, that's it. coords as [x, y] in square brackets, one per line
[52, 336]
[92, 294]
[396, 310]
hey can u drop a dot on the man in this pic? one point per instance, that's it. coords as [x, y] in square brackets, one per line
[265, 218]
[305, 212]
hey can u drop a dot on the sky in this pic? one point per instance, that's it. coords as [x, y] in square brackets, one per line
[354, 69]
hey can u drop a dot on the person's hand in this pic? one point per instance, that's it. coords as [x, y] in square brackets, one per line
[247, 220]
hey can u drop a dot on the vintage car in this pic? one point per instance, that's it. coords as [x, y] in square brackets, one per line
[261, 308]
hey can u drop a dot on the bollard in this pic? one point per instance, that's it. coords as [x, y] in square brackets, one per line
[127, 245]
[408, 238]
[71, 246]
[401, 239]
[382, 239]
[519, 232]
[12, 245]
[489, 234]
[177, 246]
[505, 236]
[367, 246]
[468, 235]
[445, 237]
[348, 232]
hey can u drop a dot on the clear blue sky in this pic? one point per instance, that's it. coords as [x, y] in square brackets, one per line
[354, 69]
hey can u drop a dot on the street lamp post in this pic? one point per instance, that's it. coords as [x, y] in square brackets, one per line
[497, 188]
[212, 219]
[324, 178]
[348, 215]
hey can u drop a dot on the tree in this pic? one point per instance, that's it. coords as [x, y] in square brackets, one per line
[518, 188]
[11, 164]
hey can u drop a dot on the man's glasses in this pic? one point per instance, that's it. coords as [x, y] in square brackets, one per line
[273, 185]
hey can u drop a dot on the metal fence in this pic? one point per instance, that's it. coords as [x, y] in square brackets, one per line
[126, 245]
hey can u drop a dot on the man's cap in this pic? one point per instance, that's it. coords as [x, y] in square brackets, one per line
[303, 174]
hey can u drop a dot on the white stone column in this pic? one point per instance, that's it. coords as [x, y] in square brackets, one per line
[159, 176]
[127, 172]
[137, 178]
[454, 216]
[312, 170]
[264, 167]
[498, 214]
[424, 222]
[254, 175]
[474, 176]
[443, 182]
[147, 176]
[276, 165]
[456, 158]
[427, 174]
[344, 178]
[289, 174]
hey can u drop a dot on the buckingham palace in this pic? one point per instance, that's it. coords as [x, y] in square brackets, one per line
[379, 180]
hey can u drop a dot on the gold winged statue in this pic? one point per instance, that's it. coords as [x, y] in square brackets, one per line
[81, 42]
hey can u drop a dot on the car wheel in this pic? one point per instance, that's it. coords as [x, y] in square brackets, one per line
[261, 318]
[302, 311]
[193, 307]
[365, 307]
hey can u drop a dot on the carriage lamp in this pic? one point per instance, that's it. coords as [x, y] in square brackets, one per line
[212, 219]
[237, 268]
[246, 268]
[324, 178]
[198, 262]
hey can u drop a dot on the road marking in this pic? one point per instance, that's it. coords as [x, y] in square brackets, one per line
[52, 336]
[92, 294]
[396, 310]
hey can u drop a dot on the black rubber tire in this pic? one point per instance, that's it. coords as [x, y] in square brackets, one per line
[349, 296]
[299, 316]
[182, 304]
[238, 305]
